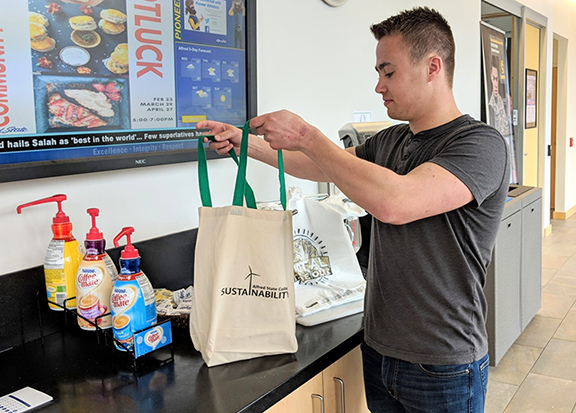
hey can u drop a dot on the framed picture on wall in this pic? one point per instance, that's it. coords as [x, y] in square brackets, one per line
[531, 97]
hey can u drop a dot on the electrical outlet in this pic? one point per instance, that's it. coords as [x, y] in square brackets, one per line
[362, 116]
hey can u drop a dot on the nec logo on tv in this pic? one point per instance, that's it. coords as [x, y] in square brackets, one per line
[140, 161]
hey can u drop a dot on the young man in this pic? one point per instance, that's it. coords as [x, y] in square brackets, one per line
[436, 188]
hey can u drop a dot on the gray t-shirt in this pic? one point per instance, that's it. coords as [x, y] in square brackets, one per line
[424, 300]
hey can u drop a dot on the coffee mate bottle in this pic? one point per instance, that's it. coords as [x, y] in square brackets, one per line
[63, 256]
[133, 302]
[94, 280]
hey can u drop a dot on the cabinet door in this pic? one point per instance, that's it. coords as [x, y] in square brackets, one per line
[344, 385]
[531, 278]
[503, 288]
[305, 399]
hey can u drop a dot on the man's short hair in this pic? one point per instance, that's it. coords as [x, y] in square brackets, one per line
[425, 31]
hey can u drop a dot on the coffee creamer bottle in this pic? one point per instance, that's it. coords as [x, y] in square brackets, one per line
[94, 280]
[62, 257]
[133, 301]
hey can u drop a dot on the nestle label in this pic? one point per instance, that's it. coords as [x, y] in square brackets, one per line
[152, 338]
[88, 277]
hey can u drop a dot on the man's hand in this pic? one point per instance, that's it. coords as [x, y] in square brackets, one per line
[227, 136]
[283, 130]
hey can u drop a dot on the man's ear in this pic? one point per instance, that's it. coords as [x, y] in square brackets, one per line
[435, 66]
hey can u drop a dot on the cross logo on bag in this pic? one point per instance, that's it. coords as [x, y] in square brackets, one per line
[255, 290]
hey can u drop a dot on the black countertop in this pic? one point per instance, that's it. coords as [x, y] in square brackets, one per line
[85, 376]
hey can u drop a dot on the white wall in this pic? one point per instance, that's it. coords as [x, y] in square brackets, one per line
[560, 14]
[312, 59]
[563, 25]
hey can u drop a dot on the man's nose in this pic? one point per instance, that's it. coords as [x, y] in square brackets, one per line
[380, 86]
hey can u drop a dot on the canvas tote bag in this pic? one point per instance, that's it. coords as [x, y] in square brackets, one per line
[243, 304]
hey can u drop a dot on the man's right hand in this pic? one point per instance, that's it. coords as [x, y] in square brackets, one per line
[227, 136]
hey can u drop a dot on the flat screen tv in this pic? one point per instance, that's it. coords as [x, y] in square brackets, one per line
[93, 85]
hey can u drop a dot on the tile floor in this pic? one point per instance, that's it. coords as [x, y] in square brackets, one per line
[538, 373]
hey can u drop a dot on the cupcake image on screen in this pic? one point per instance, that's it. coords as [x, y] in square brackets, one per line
[84, 34]
[39, 38]
[118, 61]
[112, 21]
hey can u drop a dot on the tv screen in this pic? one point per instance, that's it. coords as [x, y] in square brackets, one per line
[92, 85]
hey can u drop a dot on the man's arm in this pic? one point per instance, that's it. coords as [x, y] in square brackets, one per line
[295, 163]
[396, 199]
[426, 191]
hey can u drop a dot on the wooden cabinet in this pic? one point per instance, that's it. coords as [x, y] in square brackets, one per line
[307, 398]
[338, 389]
[344, 385]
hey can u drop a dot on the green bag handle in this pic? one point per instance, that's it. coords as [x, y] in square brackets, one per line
[203, 175]
[241, 184]
[203, 182]
[241, 175]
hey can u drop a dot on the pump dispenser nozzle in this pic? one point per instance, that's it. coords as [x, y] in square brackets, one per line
[129, 252]
[61, 225]
[60, 218]
[94, 234]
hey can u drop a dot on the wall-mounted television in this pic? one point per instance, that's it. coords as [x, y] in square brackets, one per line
[93, 85]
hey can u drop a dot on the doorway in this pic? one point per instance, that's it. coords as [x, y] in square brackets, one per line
[532, 106]
[558, 128]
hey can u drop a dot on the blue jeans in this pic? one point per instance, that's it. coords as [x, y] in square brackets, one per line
[397, 386]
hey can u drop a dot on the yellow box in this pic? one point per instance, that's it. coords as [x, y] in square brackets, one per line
[193, 118]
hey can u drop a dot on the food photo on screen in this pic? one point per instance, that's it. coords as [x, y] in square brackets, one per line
[79, 37]
[69, 103]
[80, 62]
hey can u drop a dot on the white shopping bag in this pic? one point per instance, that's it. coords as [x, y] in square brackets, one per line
[326, 269]
[243, 304]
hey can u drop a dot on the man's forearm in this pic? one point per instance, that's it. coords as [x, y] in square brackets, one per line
[296, 163]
